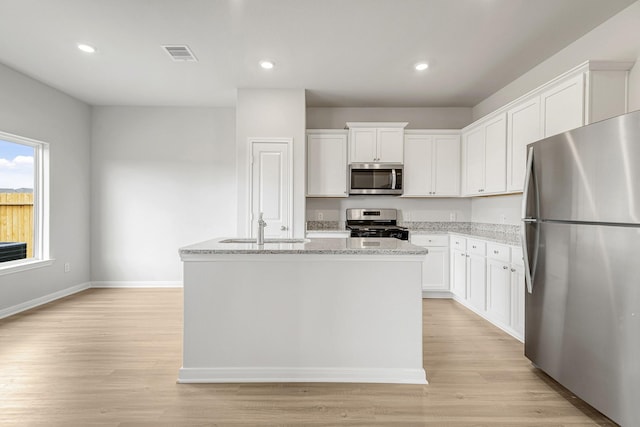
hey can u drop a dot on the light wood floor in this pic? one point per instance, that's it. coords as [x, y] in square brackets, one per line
[111, 357]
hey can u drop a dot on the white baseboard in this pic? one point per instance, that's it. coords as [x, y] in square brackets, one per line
[437, 294]
[10, 311]
[137, 284]
[333, 375]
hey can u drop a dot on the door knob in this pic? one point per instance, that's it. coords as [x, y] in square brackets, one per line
[283, 228]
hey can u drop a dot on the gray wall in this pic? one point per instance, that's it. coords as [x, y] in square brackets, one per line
[162, 178]
[34, 110]
[271, 113]
[418, 118]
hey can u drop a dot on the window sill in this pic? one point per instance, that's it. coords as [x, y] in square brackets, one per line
[17, 266]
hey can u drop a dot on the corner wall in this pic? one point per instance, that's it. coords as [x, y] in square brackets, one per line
[162, 178]
[271, 113]
[34, 110]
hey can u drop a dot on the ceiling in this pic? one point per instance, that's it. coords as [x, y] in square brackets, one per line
[346, 53]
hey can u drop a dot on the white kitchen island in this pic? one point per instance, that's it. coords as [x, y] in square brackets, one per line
[325, 310]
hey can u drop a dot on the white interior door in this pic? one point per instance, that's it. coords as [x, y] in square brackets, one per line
[271, 187]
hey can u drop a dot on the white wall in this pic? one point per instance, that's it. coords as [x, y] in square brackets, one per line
[162, 178]
[505, 209]
[436, 209]
[31, 109]
[271, 113]
[616, 39]
[418, 118]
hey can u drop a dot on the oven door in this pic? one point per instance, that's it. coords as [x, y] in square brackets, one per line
[375, 178]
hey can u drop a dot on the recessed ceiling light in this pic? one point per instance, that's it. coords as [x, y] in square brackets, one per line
[267, 65]
[86, 48]
[421, 66]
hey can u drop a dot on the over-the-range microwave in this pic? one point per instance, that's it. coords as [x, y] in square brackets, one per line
[375, 178]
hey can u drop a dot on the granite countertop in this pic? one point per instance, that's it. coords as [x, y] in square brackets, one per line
[329, 246]
[500, 233]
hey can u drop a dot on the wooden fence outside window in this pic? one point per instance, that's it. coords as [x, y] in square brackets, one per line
[16, 219]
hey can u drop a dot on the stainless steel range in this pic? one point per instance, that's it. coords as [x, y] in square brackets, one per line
[375, 223]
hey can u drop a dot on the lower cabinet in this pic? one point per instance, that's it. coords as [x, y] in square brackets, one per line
[435, 267]
[488, 278]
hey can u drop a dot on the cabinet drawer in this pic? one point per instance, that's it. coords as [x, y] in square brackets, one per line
[476, 247]
[458, 243]
[324, 234]
[498, 252]
[430, 240]
[516, 255]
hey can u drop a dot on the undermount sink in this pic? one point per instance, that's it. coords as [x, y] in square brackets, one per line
[269, 240]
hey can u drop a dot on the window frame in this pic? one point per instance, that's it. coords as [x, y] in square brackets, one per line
[41, 255]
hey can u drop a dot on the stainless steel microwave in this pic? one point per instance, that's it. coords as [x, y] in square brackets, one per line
[375, 178]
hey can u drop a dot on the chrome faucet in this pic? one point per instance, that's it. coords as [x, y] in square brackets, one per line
[261, 226]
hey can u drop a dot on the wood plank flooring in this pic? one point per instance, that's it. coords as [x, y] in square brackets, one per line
[110, 357]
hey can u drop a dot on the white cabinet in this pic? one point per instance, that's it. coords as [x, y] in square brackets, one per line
[458, 276]
[592, 91]
[485, 156]
[563, 106]
[523, 127]
[476, 274]
[376, 142]
[431, 164]
[327, 163]
[488, 278]
[435, 267]
[498, 283]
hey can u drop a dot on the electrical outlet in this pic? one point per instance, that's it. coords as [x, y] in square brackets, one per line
[67, 267]
[320, 216]
[452, 216]
[503, 218]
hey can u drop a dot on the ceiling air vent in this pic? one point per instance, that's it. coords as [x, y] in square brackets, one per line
[180, 53]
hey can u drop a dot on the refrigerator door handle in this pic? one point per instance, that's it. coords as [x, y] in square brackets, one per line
[528, 275]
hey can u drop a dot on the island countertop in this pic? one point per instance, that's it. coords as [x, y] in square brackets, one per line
[327, 246]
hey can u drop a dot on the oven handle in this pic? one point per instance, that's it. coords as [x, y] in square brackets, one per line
[393, 179]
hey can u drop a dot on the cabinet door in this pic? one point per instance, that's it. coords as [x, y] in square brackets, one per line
[435, 269]
[517, 299]
[474, 161]
[523, 127]
[476, 281]
[499, 291]
[363, 145]
[459, 274]
[563, 106]
[327, 165]
[390, 145]
[495, 168]
[417, 165]
[446, 165]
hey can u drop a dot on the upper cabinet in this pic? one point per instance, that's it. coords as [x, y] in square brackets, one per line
[523, 127]
[592, 91]
[327, 163]
[485, 156]
[431, 163]
[376, 142]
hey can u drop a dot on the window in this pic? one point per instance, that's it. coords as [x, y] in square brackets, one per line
[23, 203]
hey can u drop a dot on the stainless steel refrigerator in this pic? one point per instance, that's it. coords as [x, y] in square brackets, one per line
[581, 238]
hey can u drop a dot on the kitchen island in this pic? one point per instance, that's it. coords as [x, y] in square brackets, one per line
[319, 310]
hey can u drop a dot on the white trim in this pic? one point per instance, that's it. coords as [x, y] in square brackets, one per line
[437, 294]
[137, 284]
[327, 132]
[296, 257]
[10, 311]
[10, 267]
[432, 131]
[292, 374]
[350, 125]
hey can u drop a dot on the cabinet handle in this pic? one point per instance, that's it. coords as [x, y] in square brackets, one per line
[457, 243]
[474, 246]
[481, 190]
[504, 267]
[467, 256]
[513, 270]
[496, 252]
[463, 255]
